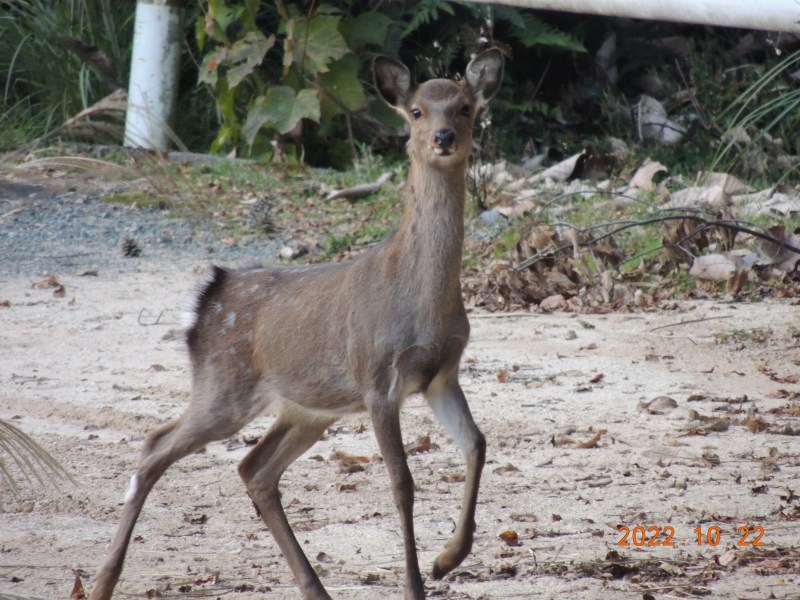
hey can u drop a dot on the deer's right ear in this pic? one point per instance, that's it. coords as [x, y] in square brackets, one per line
[392, 80]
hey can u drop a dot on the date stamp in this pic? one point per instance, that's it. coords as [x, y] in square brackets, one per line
[655, 536]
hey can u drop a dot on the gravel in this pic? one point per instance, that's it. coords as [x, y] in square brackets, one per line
[72, 232]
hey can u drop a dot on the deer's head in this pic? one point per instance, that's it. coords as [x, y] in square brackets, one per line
[440, 112]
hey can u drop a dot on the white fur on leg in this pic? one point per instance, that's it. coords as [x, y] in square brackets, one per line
[133, 486]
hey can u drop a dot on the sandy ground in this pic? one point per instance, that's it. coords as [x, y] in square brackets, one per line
[89, 373]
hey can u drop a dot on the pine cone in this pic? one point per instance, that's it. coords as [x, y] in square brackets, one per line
[130, 249]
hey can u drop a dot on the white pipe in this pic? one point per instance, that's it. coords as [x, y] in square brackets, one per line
[770, 15]
[153, 84]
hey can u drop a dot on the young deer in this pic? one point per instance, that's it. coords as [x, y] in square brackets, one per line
[315, 343]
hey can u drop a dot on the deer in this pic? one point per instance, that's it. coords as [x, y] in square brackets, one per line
[312, 344]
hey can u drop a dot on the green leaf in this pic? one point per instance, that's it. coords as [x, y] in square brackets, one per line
[538, 33]
[218, 19]
[280, 109]
[246, 54]
[208, 72]
[425, 12]
[342, 83]
[316, 43]
[368, 28]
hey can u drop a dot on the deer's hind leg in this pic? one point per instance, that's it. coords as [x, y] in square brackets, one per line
[261, 471]
[163, 447]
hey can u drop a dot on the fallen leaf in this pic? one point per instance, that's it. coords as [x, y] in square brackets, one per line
[643, 178]
[563, 170]
[713, 267]
[756, 424]
[503, 375]
[349, 463]
[420, 445]
[592, 443]
[659, 405]
[690, 197]
[597, 378]
[48, 282]
[776, 253]
[730, 184]
[77, 589]
[652, 122]
[506, 468]
[453, 477]
[552, 303]
[510, 537]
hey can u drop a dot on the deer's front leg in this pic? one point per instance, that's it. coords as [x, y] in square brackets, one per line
[448, 402]
[385, 414]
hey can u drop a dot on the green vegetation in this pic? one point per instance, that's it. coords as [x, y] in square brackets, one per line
[44, 81]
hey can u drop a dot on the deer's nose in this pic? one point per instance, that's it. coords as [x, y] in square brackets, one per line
[444, 138]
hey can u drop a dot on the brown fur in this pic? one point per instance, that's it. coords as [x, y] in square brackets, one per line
[311, 344]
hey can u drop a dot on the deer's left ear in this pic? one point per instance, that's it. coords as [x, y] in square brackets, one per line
[485, 74]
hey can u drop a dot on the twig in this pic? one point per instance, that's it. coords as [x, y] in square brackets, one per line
[143, 324]
[690, 321]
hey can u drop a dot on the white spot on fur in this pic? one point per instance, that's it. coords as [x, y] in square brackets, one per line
[230, 320]
[133, 487]
[254, 288]
[188, 318]
[217, 307]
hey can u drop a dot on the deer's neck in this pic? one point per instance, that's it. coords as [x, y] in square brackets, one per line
[431, 236]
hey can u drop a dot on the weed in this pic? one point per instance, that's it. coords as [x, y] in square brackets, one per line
[757, 335]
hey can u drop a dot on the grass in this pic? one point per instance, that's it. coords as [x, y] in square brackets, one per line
[37, 97]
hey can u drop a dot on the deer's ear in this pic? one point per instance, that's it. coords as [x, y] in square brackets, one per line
[485, 74]
[392, 80]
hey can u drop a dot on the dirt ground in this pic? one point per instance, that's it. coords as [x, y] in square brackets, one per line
[574, 456]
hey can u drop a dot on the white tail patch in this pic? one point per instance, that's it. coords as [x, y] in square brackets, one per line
[191, 306]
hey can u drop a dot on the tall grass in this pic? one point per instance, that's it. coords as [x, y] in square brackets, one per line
[769, 107]
[43, 81]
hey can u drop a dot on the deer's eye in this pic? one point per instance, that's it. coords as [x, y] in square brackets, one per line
[466, 110]
[416, 113]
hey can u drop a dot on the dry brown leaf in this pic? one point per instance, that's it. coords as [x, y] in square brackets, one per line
[349, 463]
[643, 178]
[691, 197]
[659, 405]
[48, 282]
[756, 424]
[592, 443]
[652, 122]
[506, 468]
[420, 445]
[503, 375]
[78, 592]
[713, 267]
[563, 170]
[554, 302]
[730, 184]
[510, 537]
[776, 253]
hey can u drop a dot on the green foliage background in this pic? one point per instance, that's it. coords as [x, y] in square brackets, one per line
[290, 81]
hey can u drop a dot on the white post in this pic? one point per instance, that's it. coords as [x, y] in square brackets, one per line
[770, 15]
[153, 84]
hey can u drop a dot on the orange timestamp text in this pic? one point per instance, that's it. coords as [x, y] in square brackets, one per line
[654, 536]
